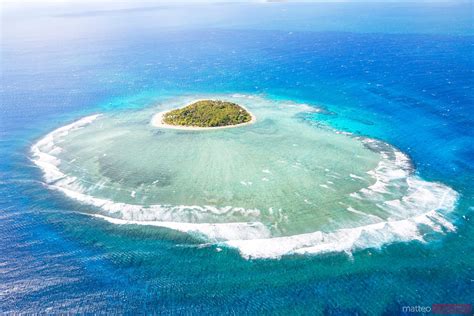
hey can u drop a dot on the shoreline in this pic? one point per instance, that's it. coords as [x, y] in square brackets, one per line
[157, 121]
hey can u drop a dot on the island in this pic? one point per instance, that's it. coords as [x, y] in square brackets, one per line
[205, 114]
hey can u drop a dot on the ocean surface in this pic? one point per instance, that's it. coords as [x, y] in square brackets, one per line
[352, 194]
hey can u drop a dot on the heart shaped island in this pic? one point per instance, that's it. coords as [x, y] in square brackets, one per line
[205, 114]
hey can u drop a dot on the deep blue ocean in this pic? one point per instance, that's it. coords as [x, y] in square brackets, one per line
[399, 72]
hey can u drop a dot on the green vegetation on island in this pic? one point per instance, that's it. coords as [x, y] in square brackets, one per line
[208, 113]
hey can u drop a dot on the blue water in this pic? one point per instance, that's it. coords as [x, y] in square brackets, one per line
[400, 72]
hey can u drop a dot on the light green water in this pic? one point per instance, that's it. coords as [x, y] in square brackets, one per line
[281, 173]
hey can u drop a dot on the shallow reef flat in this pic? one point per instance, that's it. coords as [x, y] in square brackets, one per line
[278, 186]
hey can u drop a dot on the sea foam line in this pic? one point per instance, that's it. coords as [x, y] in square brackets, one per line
[215, 232]
[253, 239]
[43, 156]
[342, 240]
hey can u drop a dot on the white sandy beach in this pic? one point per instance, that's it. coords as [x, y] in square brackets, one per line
[157, 121]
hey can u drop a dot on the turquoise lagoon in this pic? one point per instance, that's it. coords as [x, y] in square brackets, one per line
[279, 186]
[352, 194]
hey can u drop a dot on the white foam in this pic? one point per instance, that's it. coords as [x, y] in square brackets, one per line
[342, 240]
[353, 210]
[356, 176]
[45, 149]
[215, 232]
